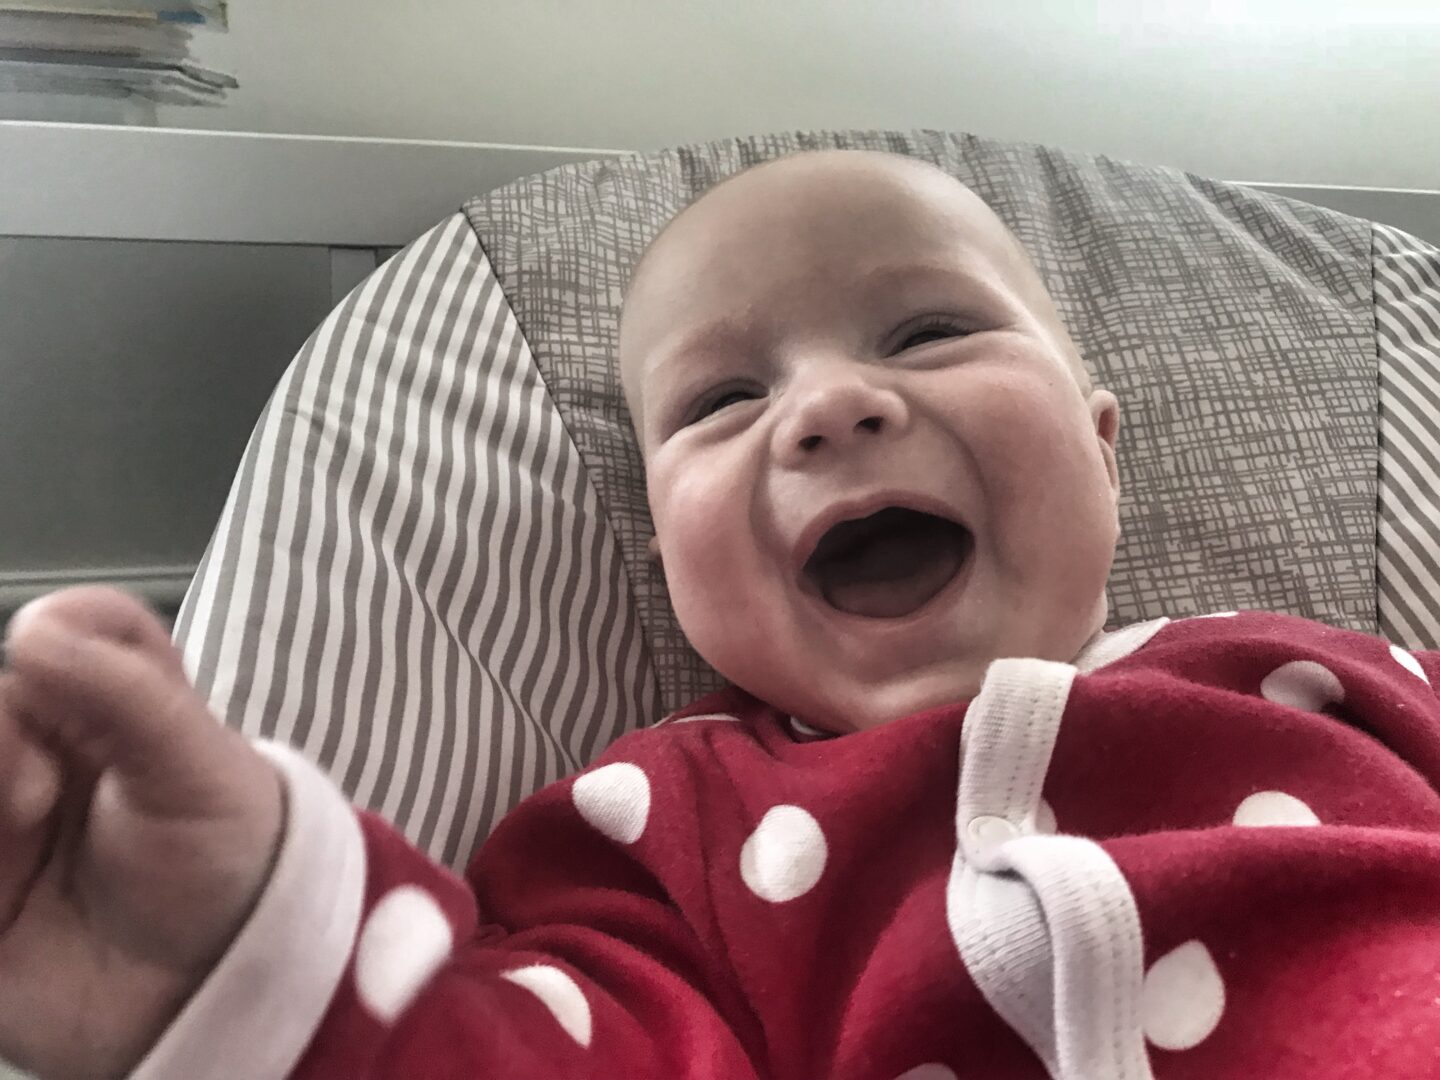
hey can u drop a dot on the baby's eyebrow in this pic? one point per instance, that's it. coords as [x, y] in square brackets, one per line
[674, 361]
[721, 335]
[900, 275]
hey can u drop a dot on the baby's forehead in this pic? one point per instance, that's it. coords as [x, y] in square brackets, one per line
[871, 247]
[816, 212]
[813, 198]
[823, 215]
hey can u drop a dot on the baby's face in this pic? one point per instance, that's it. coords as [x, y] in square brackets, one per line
[872, 468]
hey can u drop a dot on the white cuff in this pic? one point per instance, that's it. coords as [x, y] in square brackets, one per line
[257, 1011]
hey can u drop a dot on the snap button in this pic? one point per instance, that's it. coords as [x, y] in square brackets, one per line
[984, 836]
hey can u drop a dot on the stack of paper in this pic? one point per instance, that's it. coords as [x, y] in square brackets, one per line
[110, 48]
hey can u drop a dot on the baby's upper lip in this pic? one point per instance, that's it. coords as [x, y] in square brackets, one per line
[851, 509]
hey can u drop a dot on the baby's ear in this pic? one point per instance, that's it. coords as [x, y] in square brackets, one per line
[1105, 414]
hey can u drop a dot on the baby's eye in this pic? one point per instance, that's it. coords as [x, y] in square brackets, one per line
[722, 401]
[924, 335]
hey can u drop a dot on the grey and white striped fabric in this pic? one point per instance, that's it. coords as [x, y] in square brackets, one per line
[1407, 329]
[412, 580]
[431, 574]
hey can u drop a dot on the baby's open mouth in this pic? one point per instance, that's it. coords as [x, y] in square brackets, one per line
[888, 564]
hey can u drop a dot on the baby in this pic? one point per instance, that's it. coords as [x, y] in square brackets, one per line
[943, 827]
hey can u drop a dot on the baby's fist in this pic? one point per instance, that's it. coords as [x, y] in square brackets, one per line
[136, 834]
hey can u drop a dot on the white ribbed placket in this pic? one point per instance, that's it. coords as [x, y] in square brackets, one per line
[1046, 925]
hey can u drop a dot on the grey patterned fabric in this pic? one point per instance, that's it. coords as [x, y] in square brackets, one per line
[1234, 326]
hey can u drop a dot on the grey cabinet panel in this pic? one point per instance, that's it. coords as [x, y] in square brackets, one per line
[131, 374]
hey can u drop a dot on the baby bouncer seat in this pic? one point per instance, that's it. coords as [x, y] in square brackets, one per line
[431, 572]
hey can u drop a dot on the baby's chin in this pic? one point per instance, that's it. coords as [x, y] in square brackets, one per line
[867, 707]
[850, 704]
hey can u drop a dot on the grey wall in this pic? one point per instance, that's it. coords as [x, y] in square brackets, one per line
[1305, 91]
[153, 286]
[132, 373]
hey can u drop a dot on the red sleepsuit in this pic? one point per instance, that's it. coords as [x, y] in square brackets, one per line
[1207, 848]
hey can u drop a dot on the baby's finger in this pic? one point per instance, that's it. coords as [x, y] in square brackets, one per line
[30, 784]
[29, 777]
[97, 672]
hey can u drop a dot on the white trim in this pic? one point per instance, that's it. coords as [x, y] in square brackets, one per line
[259, 1008]
[107, 182]
[1282, 185]
[998, 928]
[104, 181]
[592, 151]
[1097, 954]
[1413, 210]
[1046, 925]
[1105, 648]
[1005, 748]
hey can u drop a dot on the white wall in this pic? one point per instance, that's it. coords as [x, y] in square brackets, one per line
[1314, 91]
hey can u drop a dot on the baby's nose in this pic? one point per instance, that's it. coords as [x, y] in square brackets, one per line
[835, 415]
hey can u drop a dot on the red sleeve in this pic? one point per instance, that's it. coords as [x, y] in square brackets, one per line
[364, 959]
[585, 968]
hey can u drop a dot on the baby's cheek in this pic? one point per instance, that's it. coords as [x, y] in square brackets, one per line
[1033, 423]
[704, 517]
[698, 555]
[703, 567]
[1008, 405]
[720, 630]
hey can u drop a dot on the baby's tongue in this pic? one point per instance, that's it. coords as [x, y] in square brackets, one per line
[894, 571]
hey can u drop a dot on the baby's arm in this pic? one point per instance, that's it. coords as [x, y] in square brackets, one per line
[135, 834]
[147, 893]
[594, 975]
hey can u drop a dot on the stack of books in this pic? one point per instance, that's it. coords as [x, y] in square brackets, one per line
[110, 48]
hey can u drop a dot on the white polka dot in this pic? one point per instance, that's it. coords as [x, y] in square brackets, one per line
[615, 799]
[1182, 998]
[560, 994]
[405, 940]
[1045, 819]
[705, 716]
[930, 1071]
[785, 855]
[1303, 684]
[1274, 808]
[1409, 663]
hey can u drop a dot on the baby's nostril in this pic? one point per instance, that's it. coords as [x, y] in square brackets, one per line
[870, 423]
